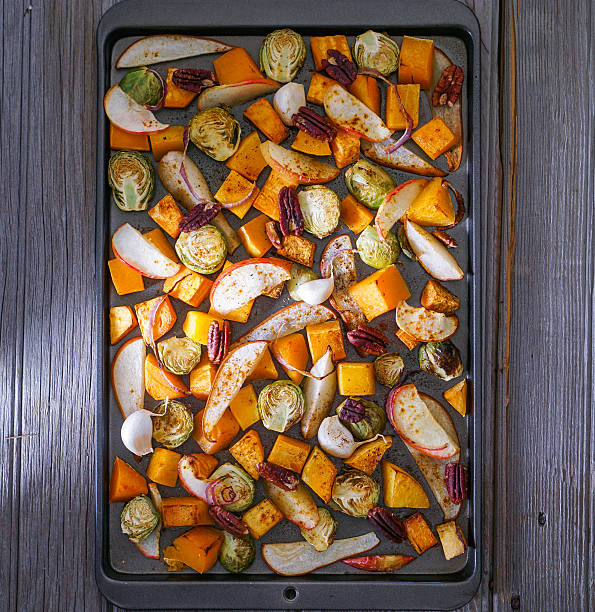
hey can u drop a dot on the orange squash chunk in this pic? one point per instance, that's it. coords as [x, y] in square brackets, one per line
[289, 453]
[321, 336]
[234, 189]
[318, 84]
[419, 533]
[196, 325]
[121, 322]
[266, 119]
[176, 97]
[119, 140]
[254, 237]
[125, 482]
[409, 341]
[434, 138]
[236, 66]
[345, 148]
[224, 432]
[189, 287]
[205, 464]
[165, 318]
[248, 160]
[262, 518]
[157, 238]
[163, 467]
[244, 407]
[321, 44]
[185, 512]
[356, 378]
[416, 61]
[367, 457]
[125, 279]
[248, 452]
[291, 349]
[167, 215]
[433, 205]
[319, 474]
[356, 216]
[170, 139]
[366, 89]
[202, 377]
[156, 381]
[197, 548]
[311, 146]
[409, 94]
[267, 201]
[456, 396]
[265, 369]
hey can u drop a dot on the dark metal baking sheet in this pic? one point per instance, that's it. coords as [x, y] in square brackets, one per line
[430, 582]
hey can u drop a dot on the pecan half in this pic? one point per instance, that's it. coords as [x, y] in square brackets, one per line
[218, 341]
[352, 411]
[339, 67]
[455, 476]
[446, 239]
[368, 339]
[282, 477]
[449, 86]
[291, 220]
[200, 215]
[227, 521]
[309, 121]
[388, 523]
[273, 234]
[193, 79]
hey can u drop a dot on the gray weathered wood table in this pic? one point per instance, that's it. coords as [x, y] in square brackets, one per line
[538, 205]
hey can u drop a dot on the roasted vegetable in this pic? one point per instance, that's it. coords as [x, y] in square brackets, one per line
[368, 183]
[143, 85]
[319, 394]
[321, 209]
[299, 275]
[139, 518]
[240, 482]
[202, 250]
[215, 132]
[179, 355]
[376, 51]
[281, 405]
[376, 252]
[174, 425]
[282, 54]
[132, 180]
[355, 493]
[372, 423]
[442, 359]
[322, 536]
[388, 368]
[404, 243]
[237, 552]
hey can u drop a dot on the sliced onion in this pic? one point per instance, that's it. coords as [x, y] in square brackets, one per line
[219, 494]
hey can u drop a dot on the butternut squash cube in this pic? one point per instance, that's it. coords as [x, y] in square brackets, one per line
[266, 119]
[262, 518]
[407, 339]
[205, 464]
[196, 325]
[433, 205]
[160, 384]
[125, 279]
[356, 378]
[202, 377]
[456, 396]
[121, 322]
[119, 140]
[319, 474]
[298, 249]
[224, 432]
[254, 237]
[248, 452]
[125, 482]
[318, 84]
[400, 489]
[311, 146]
[321, 336]
[419, 533]
[234, 189]
[244, 407]
[356, 216]
[321, 44]
[157, 238]
[289, 453]
[345, 148]
[189, 287]
[267, 201]
[163, 467]
[170, 139]
[367, 457]
[165, 318]
[236, 66]
[452, 539]
[265, 369]
[380, 292]
[176, 97]
[291, 350]
[416, 61]
[248, 160]
[185, 512]
[197, 548]
[434, 138]
[167, 215]
[409, 94]
[366, 89]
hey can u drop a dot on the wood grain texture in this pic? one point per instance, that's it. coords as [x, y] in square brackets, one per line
[538, 317]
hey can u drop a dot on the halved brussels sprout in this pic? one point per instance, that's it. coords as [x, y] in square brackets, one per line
[139, 518]
[368, 183]
[202, 250]
[143, 85]
[237, 552]
[321, 209]
[179, 355]
[282, 54]
[131, 177]
[355, 493]
[215, 132]
[375, 252]
[388, 369]
[174, 425]
[322, 536]
[373, 423]
[240, 482]
[442, 359]
[281, 405]
[405, 246]
[376, 51]
[299, 275]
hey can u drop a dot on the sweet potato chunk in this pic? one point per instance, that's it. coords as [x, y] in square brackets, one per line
[438, 298]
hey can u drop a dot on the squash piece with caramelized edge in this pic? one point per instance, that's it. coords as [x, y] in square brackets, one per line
[248, 452]
[400, 489]
[244, 407]
[121, 322]
[318, 84]
[204, 465]
[356, 216]
[452, 539]
[456, 396]
[189, 287]
[291, 351]
[409, 94]
[367, 456]
[167, 215]
[267, 201]
[236, 188]
[165, 318]
[170, 139]
[125, 482]
[345, 148]
[224, 431]
[157, 238]
[321, 336]
[356, 378]
[197, 548]
[433, 205]
[163, 467]
[321, 44]
[439, 299]
[176, 97]
[161, 384]
[304, 143]
[289, 453]
[254, 237]
[196, 325]
[409, 341]
[265, 369]
[262, 518]
[248, 160]
[185, 512]
[319, 474]
[202, 377]
[236, 66]
[119, 140]
[366, 89]
[419, 533]
[434, 138]
[416, 61]
[266, 119]
[125, 279]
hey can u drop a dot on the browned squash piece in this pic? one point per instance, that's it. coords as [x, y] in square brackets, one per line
[236, 66]
[197, 548]
[248, 160]
[248, 452]
[319, 474]
[266, 119]
[419, 533]
[311, 146]
[185, 512]
[321, 44]
[289, 453]
[345, 148]
[366, 457]
[161, 384]
[223, 433]
[167, 215]
[262, 518]
[165, 318]
[125, 482]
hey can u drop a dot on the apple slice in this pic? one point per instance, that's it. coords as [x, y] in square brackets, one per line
[401, 159]
[432, 254]
[379, 563]
[167, 47]
[246, 280]
[129, 115]
[149, 547]
[352, 115]
[288, 320]
[425, 325]
[132, 248]
[296, 506]
[128, 376]
[304, 169]
[233, 371]
[236, 93]
[396, 204]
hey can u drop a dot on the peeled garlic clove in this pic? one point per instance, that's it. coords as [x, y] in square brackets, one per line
[317, 291]
[335, 439]
[137, 431]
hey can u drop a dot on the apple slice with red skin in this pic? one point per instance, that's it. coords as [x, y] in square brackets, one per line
[352, 115]
[246, 280]
[138, 253]
[128, 376]
[235, 93]
[129, 115]
[149, 547]
[425, 325]
[401, 159]
[302, 168]
[296, 506]
[379, 563]
[396, 204]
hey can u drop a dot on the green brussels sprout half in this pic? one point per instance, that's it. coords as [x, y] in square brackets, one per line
[202, 250]
[174, 425]
[405, 246]
[321, 209]
[131, 177]
[368, 183]
[388, 369]
[280, 405]
[299, 275]
[373, 423]
[376, 51]
[442, 359]
[282, 54]
[240, 482]
[355, 493]
[375, 252]
[237, 553]
[139, 518]
[322, 536]
[215, 132]
[179, 355]
[143, 85]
